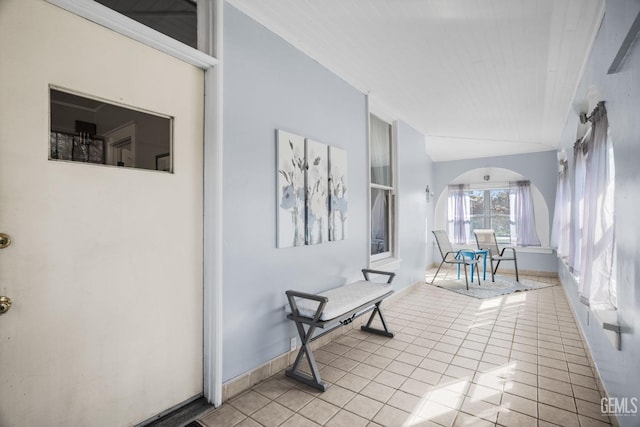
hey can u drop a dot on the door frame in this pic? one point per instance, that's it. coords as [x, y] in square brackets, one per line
[113, 146]
[210, 30]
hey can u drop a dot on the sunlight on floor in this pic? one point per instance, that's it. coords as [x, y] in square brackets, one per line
[511, 360]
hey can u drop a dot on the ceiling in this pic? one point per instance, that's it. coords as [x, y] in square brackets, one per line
[478, 77]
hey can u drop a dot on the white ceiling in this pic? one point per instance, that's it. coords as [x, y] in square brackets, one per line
[478, 77]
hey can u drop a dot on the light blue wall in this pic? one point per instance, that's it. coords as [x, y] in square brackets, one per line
[269, 85]
[540, 168]
[619, 370]
[414, 174]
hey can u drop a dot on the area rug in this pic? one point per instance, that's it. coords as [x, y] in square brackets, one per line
[488, 289]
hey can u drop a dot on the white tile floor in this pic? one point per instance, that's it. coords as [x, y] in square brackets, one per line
[515, 360]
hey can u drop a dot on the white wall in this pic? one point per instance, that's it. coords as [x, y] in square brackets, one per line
[413, 210]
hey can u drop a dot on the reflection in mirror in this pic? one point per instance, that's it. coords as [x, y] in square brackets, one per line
[95, 131]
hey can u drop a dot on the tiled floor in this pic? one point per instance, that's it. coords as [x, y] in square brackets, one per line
[515, 360]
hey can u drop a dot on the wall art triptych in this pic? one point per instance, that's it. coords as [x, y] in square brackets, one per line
[312, 191]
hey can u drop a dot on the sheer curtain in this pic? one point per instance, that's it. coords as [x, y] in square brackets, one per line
[577, 205]
[598, 238]
[562, 213]
[379, 221]
[523, 214]
[380, 152]
[459, 213]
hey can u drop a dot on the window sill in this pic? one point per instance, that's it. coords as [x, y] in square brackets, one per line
[520, 249]
[386, 264]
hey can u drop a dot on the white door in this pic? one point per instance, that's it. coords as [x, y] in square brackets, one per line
[105, 268]
[120, 145]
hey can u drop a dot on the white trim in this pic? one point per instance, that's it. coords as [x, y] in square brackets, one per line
[381, 187]
[387, 264]
[367, 108]
[380, 109]
[126, 26]
[212, 234]
[395, 239]
[380, 256]
[393, 227]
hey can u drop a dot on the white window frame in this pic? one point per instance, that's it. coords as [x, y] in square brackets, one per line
[392, 216]
[210, 40]
[487, 210]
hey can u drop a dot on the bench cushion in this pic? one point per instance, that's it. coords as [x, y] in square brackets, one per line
[343, 299]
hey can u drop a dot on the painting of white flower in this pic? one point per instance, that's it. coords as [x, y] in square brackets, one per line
[338, 204]
[291, 194]
[317, 192]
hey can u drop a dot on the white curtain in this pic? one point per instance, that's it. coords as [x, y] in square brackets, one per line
[379, 217]
[380, 152]
[562, 213]
[577, 205]
[523, 214]
[459, 213]
[598, 238]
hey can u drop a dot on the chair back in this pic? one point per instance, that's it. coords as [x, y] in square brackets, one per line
[444, 245]
[486, 239]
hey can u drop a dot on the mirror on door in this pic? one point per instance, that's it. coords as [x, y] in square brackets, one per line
[92, 130]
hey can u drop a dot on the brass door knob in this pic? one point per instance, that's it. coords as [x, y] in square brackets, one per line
[5, 240]
[5, 304]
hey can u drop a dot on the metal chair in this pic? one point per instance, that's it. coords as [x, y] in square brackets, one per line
[450, 256]
[486, 239]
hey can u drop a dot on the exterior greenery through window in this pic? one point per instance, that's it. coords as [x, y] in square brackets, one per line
[382, 189]
[506, 209]
[491, 209]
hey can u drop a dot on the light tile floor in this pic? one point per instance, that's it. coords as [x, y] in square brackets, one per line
[515, 360]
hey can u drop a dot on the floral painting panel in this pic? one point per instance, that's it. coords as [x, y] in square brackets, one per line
[338, 200]
[291, 190]
[317, 192]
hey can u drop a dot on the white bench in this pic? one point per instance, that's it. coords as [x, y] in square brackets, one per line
[337, 306]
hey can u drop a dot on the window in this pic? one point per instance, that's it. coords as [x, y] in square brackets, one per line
[484, 208]
[506, 209]
[592, 250]
[382, 189]
[491, 209]
[94, 131]
[174, 18]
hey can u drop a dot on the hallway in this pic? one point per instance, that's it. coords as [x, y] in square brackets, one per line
[515, 360]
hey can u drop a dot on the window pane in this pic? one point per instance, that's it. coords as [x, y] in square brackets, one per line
[477, 202]
[500, 208]
[95, 131]
[501, 224]
[174, 18]
[380, 152]
[500, 202]
[380, 211]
